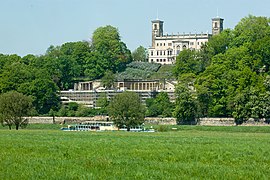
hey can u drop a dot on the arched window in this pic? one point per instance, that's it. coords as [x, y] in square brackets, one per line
[169, 52]
[184, 47]
[178, 49]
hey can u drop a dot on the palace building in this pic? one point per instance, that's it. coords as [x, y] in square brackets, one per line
[166, 47]
[164, 50]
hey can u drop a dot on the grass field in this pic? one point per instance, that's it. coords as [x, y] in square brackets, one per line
[190, 152]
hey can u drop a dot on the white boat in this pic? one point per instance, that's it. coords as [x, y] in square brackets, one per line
[103, 126]
[91, 126]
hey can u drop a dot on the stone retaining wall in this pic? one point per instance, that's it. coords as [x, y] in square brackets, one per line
[148, 120]
[73, 120]
[259, 122]
[64, 120]
[216, 122]
[161, 121]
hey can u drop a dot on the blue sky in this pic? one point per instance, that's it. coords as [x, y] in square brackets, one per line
[31, 26]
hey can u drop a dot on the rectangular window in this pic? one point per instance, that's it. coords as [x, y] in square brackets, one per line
[198, 43]
[170, 44]
[164, 53]
[164, 44]
[164, 60]
[160, 44]
[152, 53]
[152, 60]
[191, 43]
[157, 60]
[157, 44]
[157, 53]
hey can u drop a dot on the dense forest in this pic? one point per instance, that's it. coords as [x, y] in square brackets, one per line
[230, 74]
[228, 77]
[43, 76]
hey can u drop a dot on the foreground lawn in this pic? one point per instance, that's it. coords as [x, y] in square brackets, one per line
[184, 154]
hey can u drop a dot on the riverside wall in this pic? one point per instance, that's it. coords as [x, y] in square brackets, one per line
[160, 121]
[73, 120]
[231, 122]
[64, 120]
[148, 120]
[216, 122]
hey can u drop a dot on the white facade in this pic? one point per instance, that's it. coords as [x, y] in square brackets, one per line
[165, 48]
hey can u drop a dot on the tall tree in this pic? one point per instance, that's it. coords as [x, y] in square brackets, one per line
[218, 43]
[65, 63]
[94, 66]
[188, 62]
[14, 75]
[78, 52]
[185, 106]
[250, 29]
[44, 93]
[102, 101]
[108, 79]
[114, 53]
[126, 110]
[152, 108]
[159, 106]
[14, 107]
[140, 54]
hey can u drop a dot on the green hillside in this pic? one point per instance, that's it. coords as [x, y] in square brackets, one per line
[145, 70]
[164, 72]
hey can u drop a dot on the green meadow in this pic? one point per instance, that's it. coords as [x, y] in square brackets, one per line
[190, 152]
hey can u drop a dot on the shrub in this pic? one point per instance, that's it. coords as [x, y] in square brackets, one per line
[163, 128]
[131, 73]
[146, 66]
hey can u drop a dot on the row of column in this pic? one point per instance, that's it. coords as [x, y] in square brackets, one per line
[85, 86]
[144, 86]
